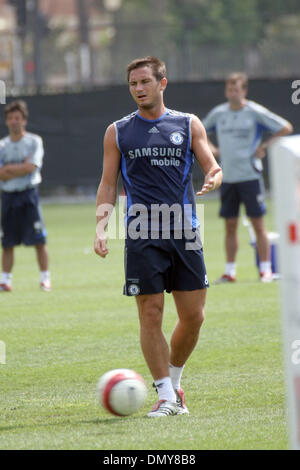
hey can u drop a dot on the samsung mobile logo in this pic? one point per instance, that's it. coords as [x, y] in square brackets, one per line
[155, 152]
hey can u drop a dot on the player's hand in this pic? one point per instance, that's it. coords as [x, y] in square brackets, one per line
[5, 174]
[100, 246]
[209, 182]
[260, 151]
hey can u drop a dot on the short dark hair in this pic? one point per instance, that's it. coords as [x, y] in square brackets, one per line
[235, 77]
[158, 67]
[17, 105]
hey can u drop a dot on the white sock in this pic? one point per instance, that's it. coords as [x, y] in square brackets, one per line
[45, 276]
[165, 389]
[230, 269]
[265, 267]
[6, 278]
[175, 374]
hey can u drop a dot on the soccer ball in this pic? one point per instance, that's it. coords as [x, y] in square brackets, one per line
[121, 391]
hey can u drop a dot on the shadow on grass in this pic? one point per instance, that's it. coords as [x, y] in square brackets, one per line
[98, 421]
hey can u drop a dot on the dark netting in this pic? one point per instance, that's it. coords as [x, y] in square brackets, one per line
[73, 125]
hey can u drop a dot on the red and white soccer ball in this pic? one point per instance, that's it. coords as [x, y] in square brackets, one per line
[121, 391]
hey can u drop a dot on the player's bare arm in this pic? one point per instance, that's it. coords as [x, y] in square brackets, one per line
[215, 150]
[205, 158]
[107, 190]
[4, 174]
[261, 149]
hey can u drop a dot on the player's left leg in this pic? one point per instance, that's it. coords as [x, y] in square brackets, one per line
[43, 262]
[34, 233]
[252, 195]
[263, 248]
[42, 256]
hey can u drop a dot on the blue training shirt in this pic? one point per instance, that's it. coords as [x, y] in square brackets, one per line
[156, 165]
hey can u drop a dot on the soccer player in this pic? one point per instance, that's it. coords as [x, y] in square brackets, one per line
[239, 124]
[154, 148]
[21, 157]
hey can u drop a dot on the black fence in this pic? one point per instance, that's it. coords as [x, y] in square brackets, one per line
[72, 125]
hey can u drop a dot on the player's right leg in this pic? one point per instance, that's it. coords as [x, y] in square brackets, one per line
[231, 248]
[147, 264]
[231, 244]
[156, 352]
[190, 308]
[153, 342]
[10, 238]
[230, 202]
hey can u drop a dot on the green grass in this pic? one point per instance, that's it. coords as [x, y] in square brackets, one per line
[60, 343]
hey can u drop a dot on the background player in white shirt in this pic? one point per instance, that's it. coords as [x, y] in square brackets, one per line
[21, 157]
[239, 125]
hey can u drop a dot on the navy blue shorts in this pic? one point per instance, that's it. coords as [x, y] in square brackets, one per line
[21, 218]
[249, 193]
[153, 266]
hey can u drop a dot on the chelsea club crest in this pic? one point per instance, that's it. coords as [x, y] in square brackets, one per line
[133, 289]
[176, 138]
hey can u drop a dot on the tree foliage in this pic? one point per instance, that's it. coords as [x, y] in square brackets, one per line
[213, 21]
[230, 21]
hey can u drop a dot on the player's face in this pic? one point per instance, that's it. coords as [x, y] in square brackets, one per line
[15, 122]
[145, 89]
[235, 93]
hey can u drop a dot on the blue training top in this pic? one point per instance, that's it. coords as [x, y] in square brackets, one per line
[156, 165]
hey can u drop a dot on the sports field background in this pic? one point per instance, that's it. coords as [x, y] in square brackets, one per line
[60, 343]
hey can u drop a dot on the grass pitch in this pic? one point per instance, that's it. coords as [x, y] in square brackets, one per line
[59, 343]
